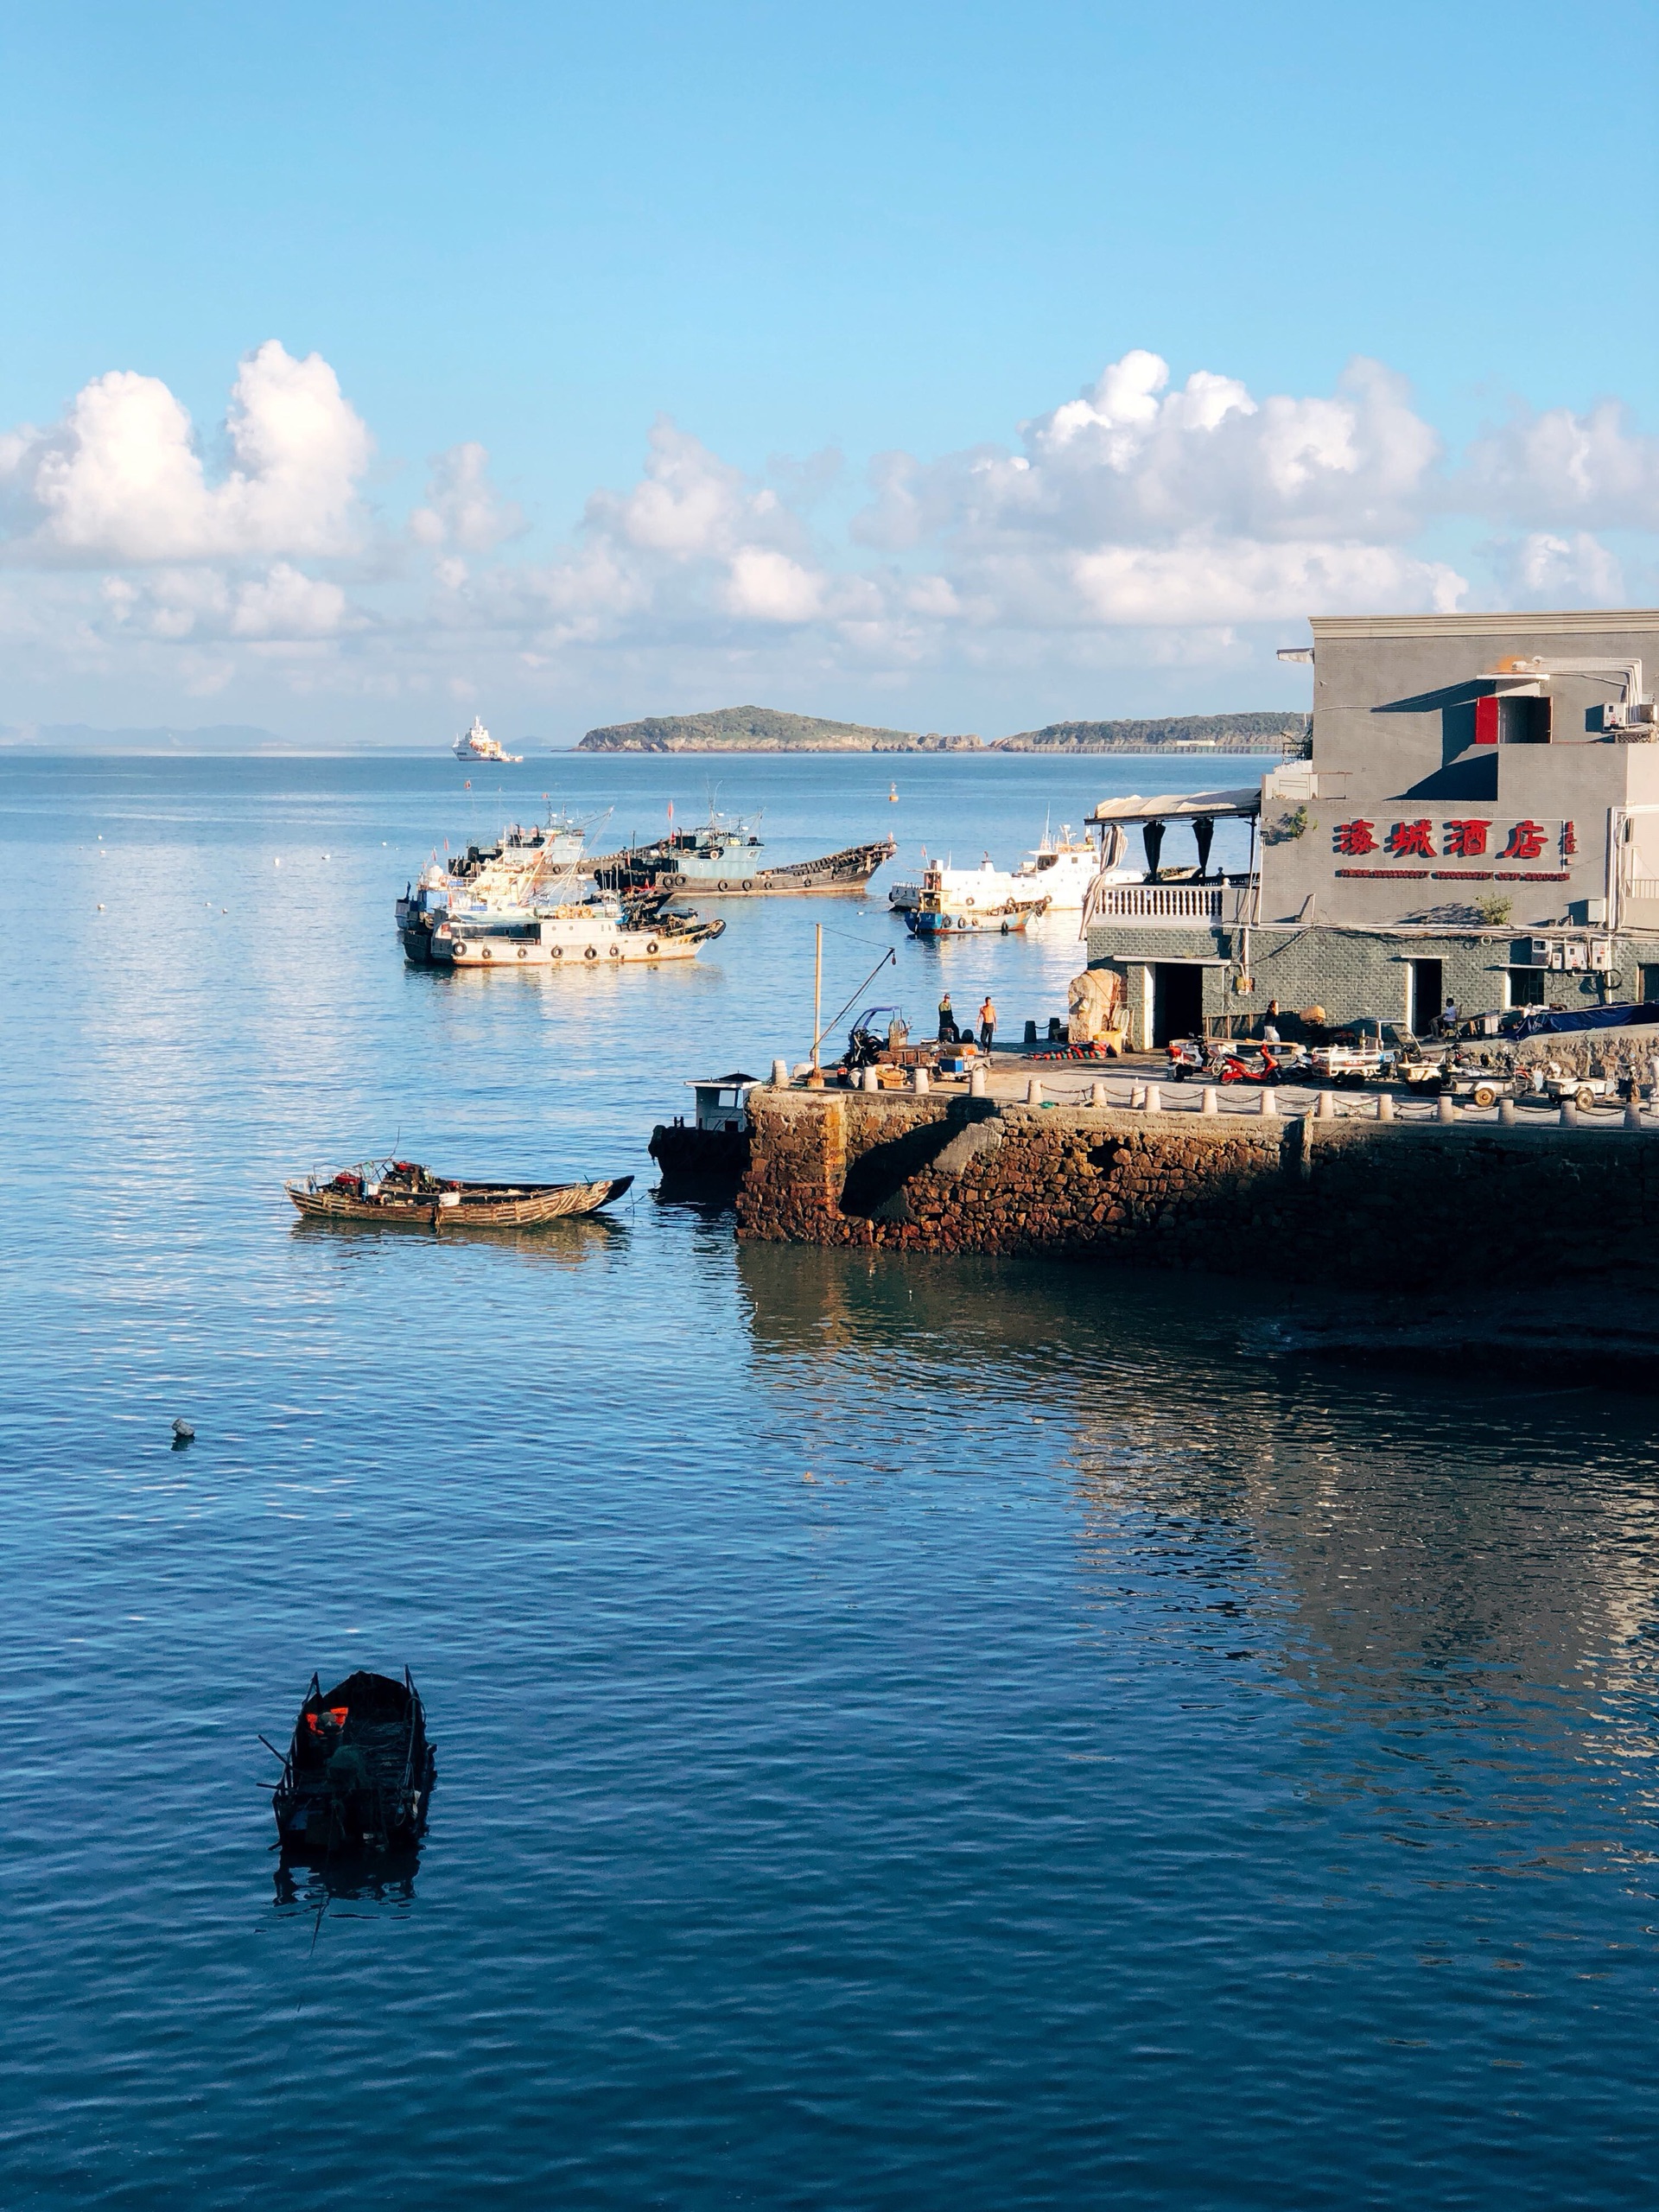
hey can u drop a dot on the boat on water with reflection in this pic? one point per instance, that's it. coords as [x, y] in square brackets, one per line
[401, 1194]
[358, 1774]
[725, 859]
[526, 867]
[594, 932]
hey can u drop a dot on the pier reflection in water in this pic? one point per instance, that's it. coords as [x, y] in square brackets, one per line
[1364, 1680]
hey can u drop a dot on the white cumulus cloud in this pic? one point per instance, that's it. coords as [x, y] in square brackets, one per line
[463, 508]
[122, 477]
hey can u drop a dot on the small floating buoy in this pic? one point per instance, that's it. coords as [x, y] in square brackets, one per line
[100, 905]
[277, 863]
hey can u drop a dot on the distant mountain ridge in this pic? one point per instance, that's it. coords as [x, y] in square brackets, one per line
[769, 730]
[1251, 733]
[80, 737]
[763, 729]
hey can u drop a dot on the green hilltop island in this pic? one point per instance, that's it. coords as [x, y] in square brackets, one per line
[769, 730]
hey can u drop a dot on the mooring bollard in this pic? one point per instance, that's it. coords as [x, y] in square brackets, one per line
[920, 1080]
[1446, 1108]
[1031, 1032]
[1098, 1095]
[872, 1081]
[1152, 1102]
[1633, 1114]
[1324, 1106]
[1385, 1106]
[1034, 1090]
[1269, 1102]
[781, 1075]
[1506, 1112]
[976, 1083]
[1209, 1100]
[1569, 1116]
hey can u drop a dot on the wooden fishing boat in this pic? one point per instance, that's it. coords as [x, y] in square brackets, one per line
[400, 1194]
[358, 1772]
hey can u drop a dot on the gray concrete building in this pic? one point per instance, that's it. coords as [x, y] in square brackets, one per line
[1477, 820]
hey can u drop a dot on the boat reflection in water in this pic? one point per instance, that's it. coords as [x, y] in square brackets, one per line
[1466, 1560]
[385, 1880]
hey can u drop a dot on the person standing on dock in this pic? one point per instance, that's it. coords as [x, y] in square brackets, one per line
[987, 1024]
[947, 1022]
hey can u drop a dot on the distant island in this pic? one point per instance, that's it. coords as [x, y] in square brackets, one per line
[1257, 733]
[80, 737]
[763, 729]
[768, 729]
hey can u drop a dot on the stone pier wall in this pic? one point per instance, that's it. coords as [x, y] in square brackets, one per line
[1397, 1205]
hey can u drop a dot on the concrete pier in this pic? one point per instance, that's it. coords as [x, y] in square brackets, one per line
[1341, 1196]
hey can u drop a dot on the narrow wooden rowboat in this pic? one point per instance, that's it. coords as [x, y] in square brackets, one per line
[400, 1194]
[358, 1773]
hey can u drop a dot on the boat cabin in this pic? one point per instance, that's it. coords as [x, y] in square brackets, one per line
[722, 1100]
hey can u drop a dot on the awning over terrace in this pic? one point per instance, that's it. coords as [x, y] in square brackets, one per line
[1172, 806]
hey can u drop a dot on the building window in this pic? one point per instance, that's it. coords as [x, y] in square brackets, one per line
[1526, 986]
[1502, 721]
[1649, 976]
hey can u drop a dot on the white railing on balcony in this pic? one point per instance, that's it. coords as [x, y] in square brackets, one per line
[1167, 902]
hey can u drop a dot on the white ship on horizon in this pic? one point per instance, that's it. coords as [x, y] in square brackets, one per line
[477, 744]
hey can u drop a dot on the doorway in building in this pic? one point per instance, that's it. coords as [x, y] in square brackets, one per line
[1427, 996]
[1177, 1001]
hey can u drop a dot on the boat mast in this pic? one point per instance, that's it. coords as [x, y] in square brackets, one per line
[817, 997]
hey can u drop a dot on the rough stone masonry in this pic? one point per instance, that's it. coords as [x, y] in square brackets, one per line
[1395, 1204]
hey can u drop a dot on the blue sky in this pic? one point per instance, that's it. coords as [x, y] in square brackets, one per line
[805, 240]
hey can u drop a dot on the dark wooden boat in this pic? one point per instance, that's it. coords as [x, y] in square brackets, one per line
[400, 1194]
[358, 1773]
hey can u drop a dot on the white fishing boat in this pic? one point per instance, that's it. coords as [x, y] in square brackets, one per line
[1061, 872]
[477, 744]
[526, 868]
[582, 933]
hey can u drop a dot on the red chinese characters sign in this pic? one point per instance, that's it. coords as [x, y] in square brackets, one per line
[1462, 838]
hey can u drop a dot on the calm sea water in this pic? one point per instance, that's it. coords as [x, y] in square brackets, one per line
[947, 1733]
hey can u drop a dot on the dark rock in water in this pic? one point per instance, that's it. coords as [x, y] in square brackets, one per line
[183, 1434]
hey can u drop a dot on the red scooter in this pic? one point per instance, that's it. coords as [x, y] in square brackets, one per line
[1273, 1064]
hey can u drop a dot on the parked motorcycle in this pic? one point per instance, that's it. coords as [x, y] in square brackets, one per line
[1274, 1064]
